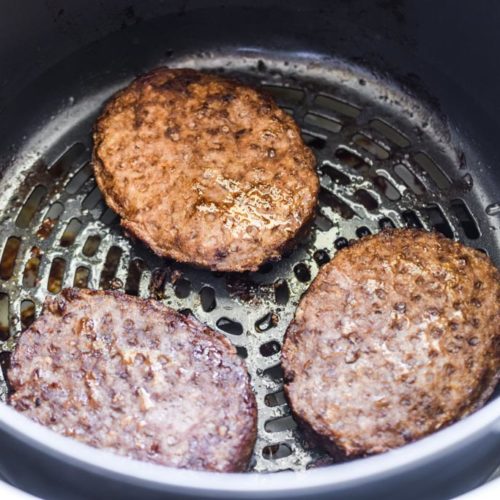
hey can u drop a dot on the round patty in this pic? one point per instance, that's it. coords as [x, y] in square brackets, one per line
[137, 378]
[205, 170]
[398, 336]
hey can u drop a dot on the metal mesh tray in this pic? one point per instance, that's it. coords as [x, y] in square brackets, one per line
[383, 162]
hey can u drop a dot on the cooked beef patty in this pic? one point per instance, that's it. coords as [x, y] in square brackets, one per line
[205, 170]
[137, 378]
[398, 336]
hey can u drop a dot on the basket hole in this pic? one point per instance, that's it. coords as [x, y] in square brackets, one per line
[386, 223]
[493, 209]
[268, 321]
[411, 220]
[371, 146]
[4, 317]
[67, 159]
[341, 243]
[270, 348]
[280, 424]
[276, 451]
[335, 175]
[82, 276]
[333, 104]
[467, 222]
[285, 94]
[409, 178]
[9, 256]
[108, 217]
[182, 288]
[79, 179]
[5, 364]
[437, 175]
[302, 272]
[56, 275]
[314, 141]
[50, 220]
[363, 231]
[229, 326]
[92, 199]
[91, 245]
[110, 268]
[350, 159]
[135, 270]
[322, 222]
[321, 257]
[71, 232]
[386, 188]
[32, 267]
[275, 399]
[322, 122]
[275, 373]
[207, 299]
[27, 312]
[366, 199]
[337, 205]
[281, 292]
[241, 352]
[55, 211]
[438, 221]
[31, 206]
[390, 133]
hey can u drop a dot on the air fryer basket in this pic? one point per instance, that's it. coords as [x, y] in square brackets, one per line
[388, 155]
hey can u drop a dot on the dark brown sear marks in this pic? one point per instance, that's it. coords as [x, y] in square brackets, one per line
[241, 183]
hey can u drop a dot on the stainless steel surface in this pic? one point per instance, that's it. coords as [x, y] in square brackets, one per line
[383, 160]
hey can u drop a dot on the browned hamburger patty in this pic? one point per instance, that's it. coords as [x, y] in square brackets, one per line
[398, 336]
[205, 170]
[137, 378]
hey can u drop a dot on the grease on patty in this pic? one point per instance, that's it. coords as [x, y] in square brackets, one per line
[205, 170]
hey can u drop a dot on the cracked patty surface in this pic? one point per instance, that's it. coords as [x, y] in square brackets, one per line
[205, 170]
[397, 337]
[134, 377]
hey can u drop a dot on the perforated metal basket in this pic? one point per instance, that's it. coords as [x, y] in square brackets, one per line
[382, 163]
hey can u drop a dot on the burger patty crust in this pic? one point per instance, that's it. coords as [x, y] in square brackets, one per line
[137, 378]
[398, 336]
[205, 170]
